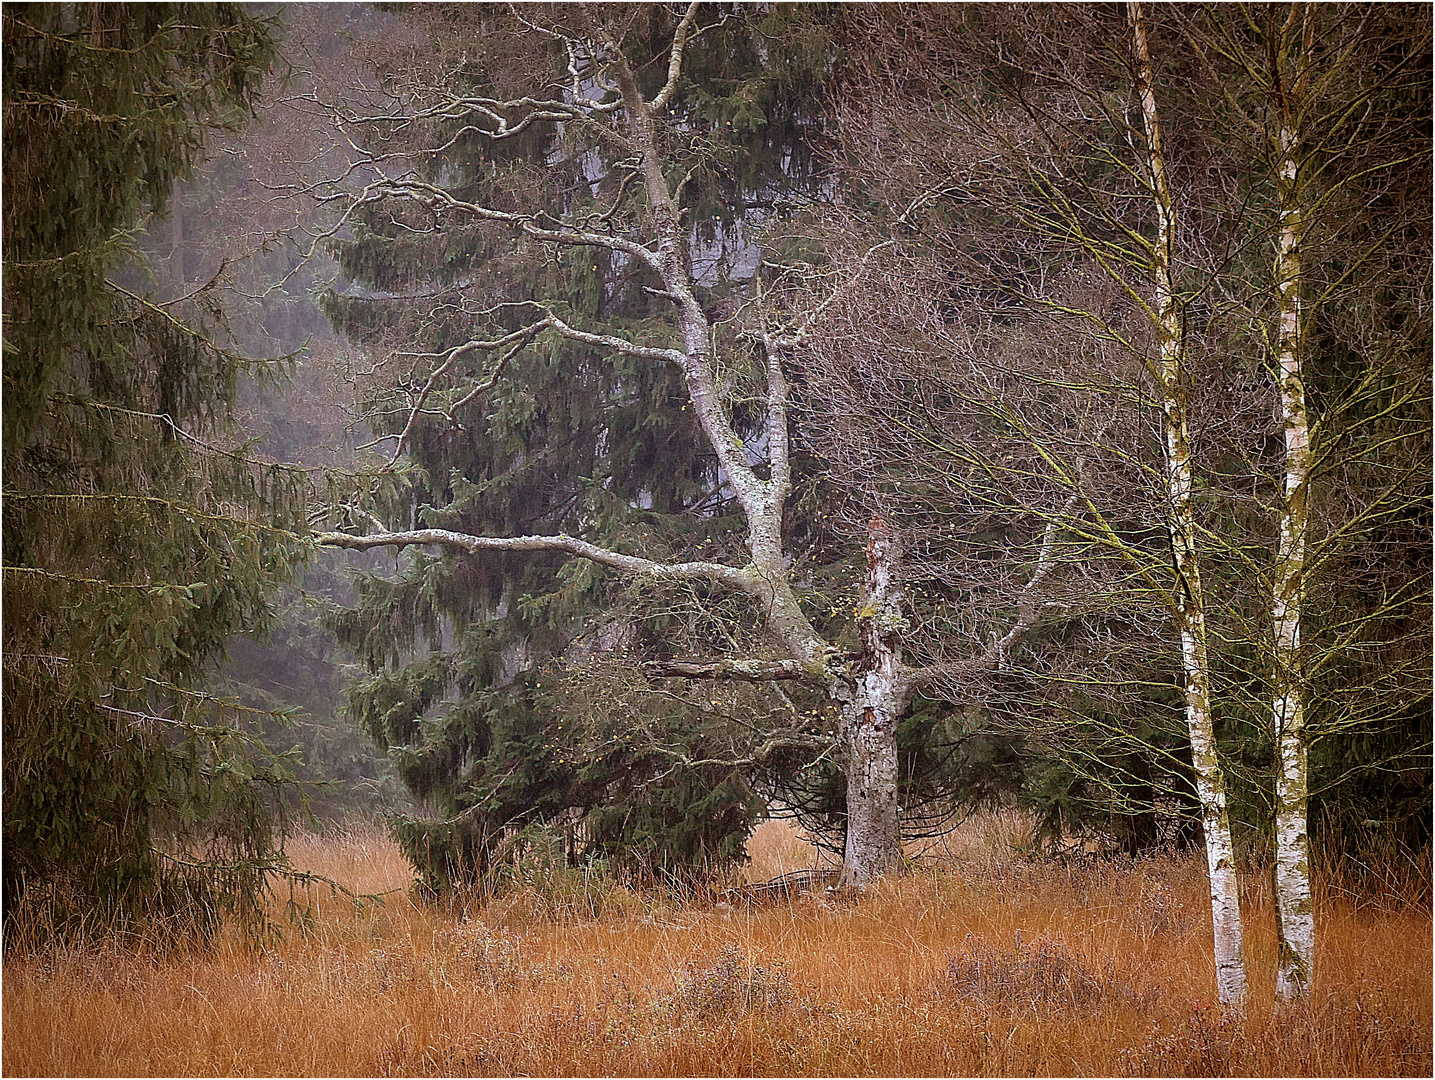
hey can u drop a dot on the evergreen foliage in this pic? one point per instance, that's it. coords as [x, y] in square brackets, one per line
[463, 654]
[746, 131]
[135, 540]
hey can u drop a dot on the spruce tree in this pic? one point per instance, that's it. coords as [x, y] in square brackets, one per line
[464, 689]
[137, 538]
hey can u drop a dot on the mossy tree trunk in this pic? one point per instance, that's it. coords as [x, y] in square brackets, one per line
[1295, 920]
[879, 696]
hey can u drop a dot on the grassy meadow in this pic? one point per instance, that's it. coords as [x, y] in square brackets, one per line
[979, 962]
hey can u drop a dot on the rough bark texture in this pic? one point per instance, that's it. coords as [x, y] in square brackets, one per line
[869, 720]
[1190, 600]
[1295, 923]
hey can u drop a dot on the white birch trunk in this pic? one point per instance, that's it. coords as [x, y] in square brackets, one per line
[869, 721]
[1295, 920]
[1190, 598]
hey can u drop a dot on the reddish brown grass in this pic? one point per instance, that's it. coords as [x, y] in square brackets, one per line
[982, 964]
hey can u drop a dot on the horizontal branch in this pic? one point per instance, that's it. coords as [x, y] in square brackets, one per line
[610, 341]
[742, 670]
[434, 197]
[632, 564]
[773, 744]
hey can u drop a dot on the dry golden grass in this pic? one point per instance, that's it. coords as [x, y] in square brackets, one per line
[778, 847]
[984, 964]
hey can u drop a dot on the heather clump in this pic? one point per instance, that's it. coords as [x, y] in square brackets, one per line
[490, 957]
[1036, 975]
[732, 983]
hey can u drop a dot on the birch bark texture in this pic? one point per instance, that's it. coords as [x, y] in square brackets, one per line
[1295, 920]
[878, 696]
[1335, 114]
[1190, 597]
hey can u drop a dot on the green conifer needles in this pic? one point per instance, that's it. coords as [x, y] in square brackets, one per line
[134, 545]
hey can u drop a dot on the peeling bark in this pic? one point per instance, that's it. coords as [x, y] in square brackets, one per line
[879, 693]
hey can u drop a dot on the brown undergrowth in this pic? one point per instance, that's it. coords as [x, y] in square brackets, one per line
[979, 964]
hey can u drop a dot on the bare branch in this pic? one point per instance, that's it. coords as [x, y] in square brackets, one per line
[741, 670]
[632, 564]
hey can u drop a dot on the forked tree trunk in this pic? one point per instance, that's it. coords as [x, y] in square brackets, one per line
[1295, 921]
[869, 720]
[875, 693]
[1190, 597]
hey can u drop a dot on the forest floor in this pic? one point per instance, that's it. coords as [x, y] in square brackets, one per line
[979, 962]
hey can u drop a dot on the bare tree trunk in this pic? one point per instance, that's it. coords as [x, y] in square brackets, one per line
[869, 720]
[1295, 922]
[1190, 598]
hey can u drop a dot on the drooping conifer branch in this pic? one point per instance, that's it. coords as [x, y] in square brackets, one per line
[135, 543]
[658, 237]
[759, 755]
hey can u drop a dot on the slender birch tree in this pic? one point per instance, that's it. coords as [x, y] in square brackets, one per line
[1060, 139]
[1309, 169]
[1327, 124]
[1290, 75]
[1190, 597]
